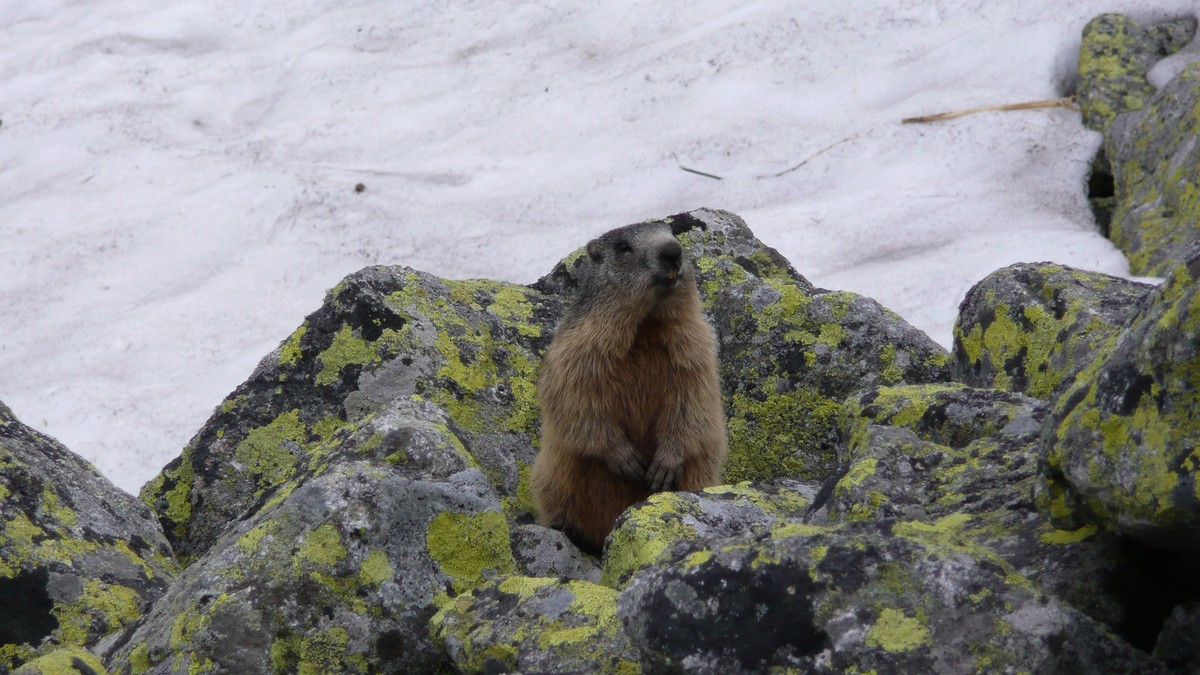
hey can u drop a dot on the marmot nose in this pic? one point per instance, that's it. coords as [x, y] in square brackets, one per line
[670, 253]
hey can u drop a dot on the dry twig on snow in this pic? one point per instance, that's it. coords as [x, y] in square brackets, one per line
[1068, 103]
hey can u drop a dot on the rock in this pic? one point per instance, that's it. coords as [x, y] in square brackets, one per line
[965, 461]
[65, 661]
[473, 347]
[535, 625]
[1115, 54]
[342, 575]
[543, 552]
[1029, 327]
[79, 558]
[648, 533]
[1120, 443]
[1179, 643]
[1153, 153]
[882, 596]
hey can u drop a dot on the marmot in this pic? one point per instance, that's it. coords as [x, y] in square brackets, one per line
[629, 390]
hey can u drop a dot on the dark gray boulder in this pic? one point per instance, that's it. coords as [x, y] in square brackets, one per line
[535, 625]
[342, 575]
[1153, 153]
[1115, 54]
[79, 558]
[342, 567]
[1179, 642]
[1120, 443]
[1029, 327]
[881, 595]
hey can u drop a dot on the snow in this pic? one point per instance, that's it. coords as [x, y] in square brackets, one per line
[177, 179]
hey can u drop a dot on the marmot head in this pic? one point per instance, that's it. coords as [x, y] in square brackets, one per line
[638, 259]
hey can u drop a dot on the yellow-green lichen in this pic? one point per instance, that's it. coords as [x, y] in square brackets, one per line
[289, 352]
[781, 436]
[346, 348]
[376, 569]
[470, 548]
[780, 504]
[896, 632]
[139, 659]
[269, 452]
[652, 528]
[62, 661]
[1068, 537]
[179, 498]
[100, 606]
[323, 546]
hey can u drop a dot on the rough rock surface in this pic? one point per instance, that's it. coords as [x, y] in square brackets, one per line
[789, 351]
[536, 625]
[339, 573]
[361, 503]
[65, 661]
[1028, 327]
[1114, 56]
[872, 596]
[78, 557]
[1154, 153]
[1179, 643]
[1123, 439]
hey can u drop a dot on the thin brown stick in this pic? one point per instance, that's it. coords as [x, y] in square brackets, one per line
[1068, 103]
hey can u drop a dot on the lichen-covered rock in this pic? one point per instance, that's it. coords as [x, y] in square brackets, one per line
[967, 459]
[543, 552]
[473, 348]
[79, 558]
[1029, 327]
[341, 576]
[1121, 442]
[646, 534]
[1179, 642]
[1114, 56]
[1154, 153]
[535, 625]
[874, 596]
[65, 661]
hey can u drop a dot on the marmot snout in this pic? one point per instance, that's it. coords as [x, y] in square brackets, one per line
[630, 395]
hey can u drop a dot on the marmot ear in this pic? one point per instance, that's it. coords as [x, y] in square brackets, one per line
[595, 250]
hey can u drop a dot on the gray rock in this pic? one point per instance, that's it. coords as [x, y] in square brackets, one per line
[535, 625]
[1179, 642]
[79, 558]
[1115, 54]
[1153, 153]
[1120, 444]
[882, 596]
[342, 575]
[543, 552]
[1029, 327]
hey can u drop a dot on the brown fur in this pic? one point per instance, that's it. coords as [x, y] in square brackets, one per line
[631, 370]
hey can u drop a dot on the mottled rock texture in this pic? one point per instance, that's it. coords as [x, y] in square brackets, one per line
[1144, 185]
[1028, 327]
[1123, 440]
[78, 558]
[361, 503]
[1115, 54]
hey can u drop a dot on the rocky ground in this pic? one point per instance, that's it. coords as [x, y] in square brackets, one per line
[1028, 502]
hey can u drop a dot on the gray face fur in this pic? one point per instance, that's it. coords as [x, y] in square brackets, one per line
[636, 258]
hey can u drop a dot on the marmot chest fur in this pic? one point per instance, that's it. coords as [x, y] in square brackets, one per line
[629, 390]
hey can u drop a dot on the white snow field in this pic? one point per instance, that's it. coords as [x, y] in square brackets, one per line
[177, 179]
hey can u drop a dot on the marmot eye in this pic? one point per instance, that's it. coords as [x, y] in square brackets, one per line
[622, 247]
